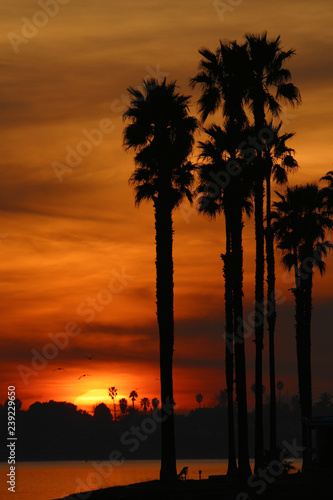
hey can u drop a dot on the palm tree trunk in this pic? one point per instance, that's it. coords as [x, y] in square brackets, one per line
[229, 350]
[259, 123]
[271, 318]
[306, 403]
[240, 365]
[259, 315]
[299, 317]
[300, 349]
[165, 318]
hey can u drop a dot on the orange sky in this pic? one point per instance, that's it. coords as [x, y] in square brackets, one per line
[62, 242]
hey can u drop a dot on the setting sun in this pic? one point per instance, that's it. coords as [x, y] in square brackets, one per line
[94, 397]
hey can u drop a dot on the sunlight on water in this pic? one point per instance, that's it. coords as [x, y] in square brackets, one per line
[51, 480]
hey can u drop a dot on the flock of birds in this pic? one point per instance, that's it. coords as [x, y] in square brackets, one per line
[81, 376]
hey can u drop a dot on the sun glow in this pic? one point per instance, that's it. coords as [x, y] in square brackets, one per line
[95, 397]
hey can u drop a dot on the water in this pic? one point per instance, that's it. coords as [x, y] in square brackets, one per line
[50, 480]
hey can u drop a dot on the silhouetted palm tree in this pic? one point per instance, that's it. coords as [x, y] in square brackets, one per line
[221, 84]
[327, 192]
[113, 394]
[279, 160]
[219, 154]
[279, 386]
[133, 395]
[265, 72]
[222, 398]
[161, 134]
[123, 405]
[300, 225]
[145, 404]
[155, 402]
[324, 406]
[199, 399]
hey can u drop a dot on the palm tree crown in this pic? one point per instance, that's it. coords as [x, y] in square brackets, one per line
[267, 72]
[133, 395]
[161, 133]
[301, 222]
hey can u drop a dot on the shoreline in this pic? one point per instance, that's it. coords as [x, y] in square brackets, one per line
[291, 487]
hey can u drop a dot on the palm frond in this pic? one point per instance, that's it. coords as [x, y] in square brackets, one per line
[289, 92]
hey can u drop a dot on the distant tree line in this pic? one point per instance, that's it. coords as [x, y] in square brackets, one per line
[61, 431]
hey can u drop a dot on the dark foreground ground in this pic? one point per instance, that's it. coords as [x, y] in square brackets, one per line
[292, 487]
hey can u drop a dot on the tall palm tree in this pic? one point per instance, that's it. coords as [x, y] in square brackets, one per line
[301, 222]
[133, 395]
[265, 72]
[232, 200]
[279, 160]
[220, 80]
[161, 134]
[113, 394]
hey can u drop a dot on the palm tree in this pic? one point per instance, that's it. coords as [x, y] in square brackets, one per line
[123, 405]
[327, 192]
[222, 398]
[155, 402]
[219, 153]
[113, 394]
[161, 134]
[145, 404]
[133, 395]
[265, 71]
[279, 160]
[280, 386]
[221, 84]
[301, 223]
[199, 399]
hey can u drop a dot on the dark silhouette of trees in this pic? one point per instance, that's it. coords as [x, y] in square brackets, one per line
[113, 394]
[133, 395]
[155, 402]
[301, 222]
[327, 191]
[60, 431]
[254, 389]
[102, 412]
[222, 398]
[279, 160]
[161, 134]
[145, 404]
[279, 386]
[199, 399]
[123, 405]
[265, 72]
[323, 407]
[220, 78]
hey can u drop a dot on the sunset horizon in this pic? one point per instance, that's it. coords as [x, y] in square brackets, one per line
[87, 284]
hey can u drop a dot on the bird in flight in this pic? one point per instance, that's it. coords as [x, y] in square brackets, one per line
[58, 369]
[84, 375]
[90, 357]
